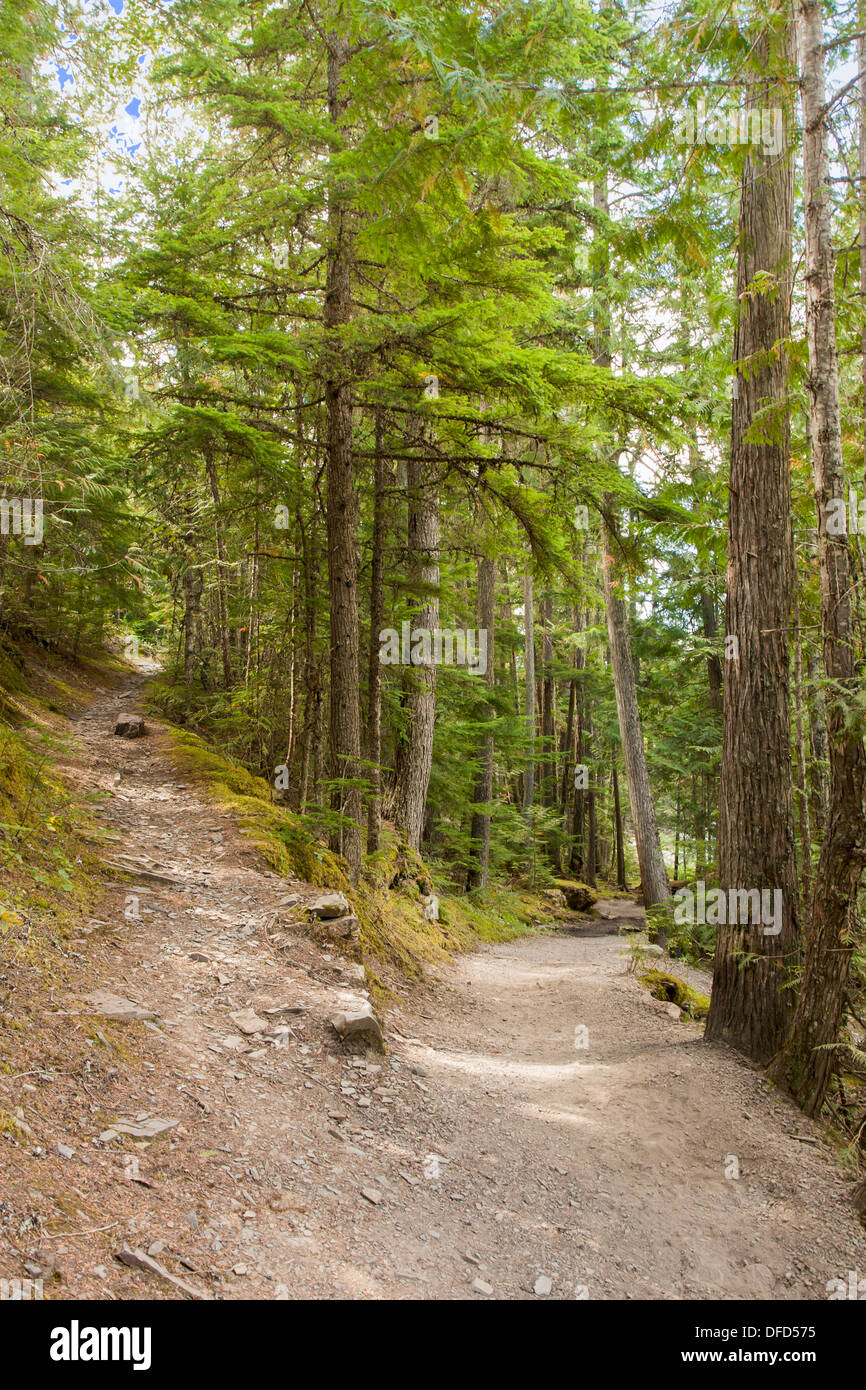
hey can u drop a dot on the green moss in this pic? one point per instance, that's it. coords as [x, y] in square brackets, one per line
[277, 833]
[395, 936]
[675, 991]
[9, 1125]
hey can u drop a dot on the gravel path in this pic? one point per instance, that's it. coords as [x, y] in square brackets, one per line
[539, 1127]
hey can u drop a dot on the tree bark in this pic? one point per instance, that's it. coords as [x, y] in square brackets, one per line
[749, 1008]
[529, 690]
[222, 599]
[345, 714]
[802, 780]
[809, 1057]
[192, 591]
[480, 832]
[617, 825]
[374, 668]
[414, 772]
[548, 733]
[654, 879]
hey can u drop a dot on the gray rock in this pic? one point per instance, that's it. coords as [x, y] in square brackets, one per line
[328, 905]
[348, 928]
[144, 1129]
[136, 1259]
[117, 1007]
[359, 1022]
[578, 896]
[543, 1286]
[130, 726]
[247, 1021]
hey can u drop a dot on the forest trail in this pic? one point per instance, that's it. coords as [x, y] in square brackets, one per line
[485, 1155]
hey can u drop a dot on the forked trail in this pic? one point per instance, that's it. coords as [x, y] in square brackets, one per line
[538, 1127]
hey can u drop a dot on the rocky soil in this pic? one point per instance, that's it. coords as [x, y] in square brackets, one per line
[538, 1126]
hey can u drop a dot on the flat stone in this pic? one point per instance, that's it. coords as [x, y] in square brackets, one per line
[117, 1007]
[248, 1021]
[144, 1129]
[137, 1259]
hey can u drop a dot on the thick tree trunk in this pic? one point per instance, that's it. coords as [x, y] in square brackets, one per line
[568, 751]
[578, 823]
[548, 731]
[802, 780]
[222, 605]
[345, 719]
[312, 670]
[192, 591]
[529, 691]
[654, 879]
[809, 1058]
[749, 1007]
[410, 796]
[479, 865]
[818, 744]
[374, 669]
[617, 826]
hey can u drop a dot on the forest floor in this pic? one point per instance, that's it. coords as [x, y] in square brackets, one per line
[484, 1155]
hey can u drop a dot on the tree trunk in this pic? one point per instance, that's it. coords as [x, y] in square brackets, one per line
[374, 669]
[478, 869]
[714, 666]
[749, 1008]
[809, 1059]
[653, 874]
[617, 824]
[410, 796]
[345, 717]
[802, 780]
[222, 605]
[529, 691]
[192, 591]
[548, 734]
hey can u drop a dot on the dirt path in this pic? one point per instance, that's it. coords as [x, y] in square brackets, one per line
[489, 1153]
